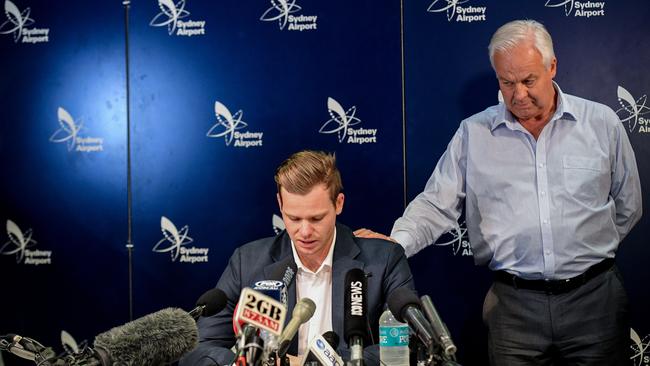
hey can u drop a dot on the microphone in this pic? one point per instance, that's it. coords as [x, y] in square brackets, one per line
[210, 303]
[278, 291]
[302, 312]
[439, 328]
[248, 343]
[27, 348]
[258, 312]
[272, 288]
[285, 272]
[332, 338]
[158, 338]
[355, 319]
[322, 351]
[405, 306]
[253, 349]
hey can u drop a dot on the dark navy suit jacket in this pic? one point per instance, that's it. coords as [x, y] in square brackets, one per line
[258, 260]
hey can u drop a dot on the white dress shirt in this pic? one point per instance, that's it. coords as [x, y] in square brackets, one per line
[318, 287]
[540, 209]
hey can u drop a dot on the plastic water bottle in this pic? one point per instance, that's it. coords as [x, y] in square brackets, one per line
[393, 341]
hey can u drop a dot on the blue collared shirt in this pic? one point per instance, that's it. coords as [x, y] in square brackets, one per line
[541, 209]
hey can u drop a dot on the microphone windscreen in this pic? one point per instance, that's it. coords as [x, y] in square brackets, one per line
[304, 310]
[214, 301]
[399, 299]
[355, 320]
[159, 338]
[285, 271]
[332, 338]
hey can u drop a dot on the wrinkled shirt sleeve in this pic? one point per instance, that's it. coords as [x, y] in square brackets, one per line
[626, 185]
[436, 210]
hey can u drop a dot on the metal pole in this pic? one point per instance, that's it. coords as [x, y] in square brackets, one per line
[129, 242]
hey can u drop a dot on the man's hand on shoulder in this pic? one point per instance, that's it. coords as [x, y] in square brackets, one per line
[369, 234]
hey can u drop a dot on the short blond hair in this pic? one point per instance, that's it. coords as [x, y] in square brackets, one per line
[304, 170]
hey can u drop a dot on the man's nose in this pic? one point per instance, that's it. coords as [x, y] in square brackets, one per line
[306, 229]
[520, 92]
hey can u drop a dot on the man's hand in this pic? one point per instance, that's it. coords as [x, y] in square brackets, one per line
[367, 233]
[293, 361]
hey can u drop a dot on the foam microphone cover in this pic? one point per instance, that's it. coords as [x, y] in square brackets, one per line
[400, 299]
[355, 320]
[214, 301]
[159, 338]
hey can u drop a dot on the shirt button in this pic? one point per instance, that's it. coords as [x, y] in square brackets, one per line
[542, 193]
[545, 221]
[541, 165]
[547, 252]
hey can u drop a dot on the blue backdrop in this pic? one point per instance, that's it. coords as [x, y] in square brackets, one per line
[220, 93]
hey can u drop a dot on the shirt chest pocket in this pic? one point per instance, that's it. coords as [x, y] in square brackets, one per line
[586, 179]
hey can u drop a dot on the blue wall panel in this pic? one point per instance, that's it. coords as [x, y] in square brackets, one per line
[241, 79]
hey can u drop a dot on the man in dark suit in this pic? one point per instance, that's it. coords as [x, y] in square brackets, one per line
[309, 196]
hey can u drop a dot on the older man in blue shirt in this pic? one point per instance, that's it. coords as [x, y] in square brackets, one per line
[551, 187]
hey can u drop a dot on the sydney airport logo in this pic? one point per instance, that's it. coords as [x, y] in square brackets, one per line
[583, 9]
[229, 127]
[20, 243]
[341, 123]
[278, 224]
[175, 242]
[458, 12]
[68, 133]
[285, 13]
[632, 110]
[640, 349]
[458, 239]
[17, 23]
[173, 16]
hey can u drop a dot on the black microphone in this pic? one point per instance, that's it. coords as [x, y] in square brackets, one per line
[355, 319]
[286, 273]
[440, 331]
[332, 338]
[159, 338]
[254, 349]
[302, 312]
[405, 306]
[210, 303]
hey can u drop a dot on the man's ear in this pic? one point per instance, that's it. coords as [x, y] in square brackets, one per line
[553, 68]
[277, 195]
[340, 199]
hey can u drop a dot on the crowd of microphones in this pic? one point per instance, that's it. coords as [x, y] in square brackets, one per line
[262, 338]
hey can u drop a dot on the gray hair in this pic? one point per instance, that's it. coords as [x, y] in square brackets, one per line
[516, 32]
